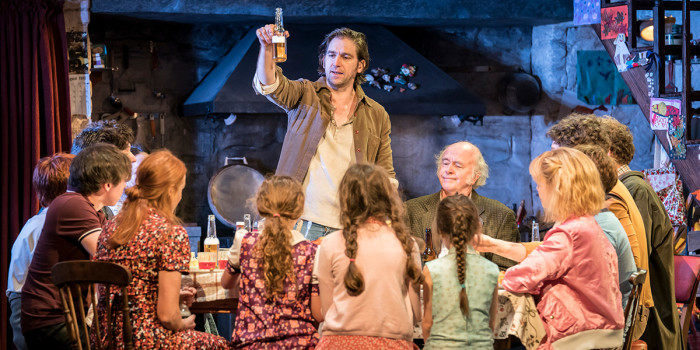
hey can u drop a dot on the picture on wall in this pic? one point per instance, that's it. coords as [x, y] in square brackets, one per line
[660, 109]
[613, 21]
[586, 12]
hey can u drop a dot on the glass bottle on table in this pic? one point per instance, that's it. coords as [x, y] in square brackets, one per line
[535, 232]
[247, 225]
[429, 252]
[279, 41]
[211, 243]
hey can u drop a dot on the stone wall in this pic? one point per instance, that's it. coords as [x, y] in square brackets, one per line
[478, 58]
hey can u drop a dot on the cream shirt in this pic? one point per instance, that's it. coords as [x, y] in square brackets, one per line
[334, 155]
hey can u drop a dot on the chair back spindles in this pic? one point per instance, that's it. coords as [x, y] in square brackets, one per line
[68, 276]
[98, 333]
[632, 309]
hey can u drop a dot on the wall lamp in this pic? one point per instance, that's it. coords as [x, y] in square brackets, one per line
[646, 27]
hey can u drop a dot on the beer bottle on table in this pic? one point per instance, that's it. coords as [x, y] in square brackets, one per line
[247, 223]
[535, 231]
[279, 41]
[429, 253]
[211, 243]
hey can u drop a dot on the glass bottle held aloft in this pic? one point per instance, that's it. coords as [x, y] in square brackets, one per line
[279, 41]
[211, 243]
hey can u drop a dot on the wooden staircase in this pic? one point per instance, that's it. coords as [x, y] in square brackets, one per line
[689, 168]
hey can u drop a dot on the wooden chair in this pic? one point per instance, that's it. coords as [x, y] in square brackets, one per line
[632, 309]
[71, 277]
[687, 276]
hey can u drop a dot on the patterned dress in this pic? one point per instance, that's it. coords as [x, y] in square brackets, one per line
[158, 246]
[450, 329]
[285, 323]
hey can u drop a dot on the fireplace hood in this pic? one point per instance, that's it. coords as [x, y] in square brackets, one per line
[227, 87]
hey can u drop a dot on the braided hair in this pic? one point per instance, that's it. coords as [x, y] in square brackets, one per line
[280, 200]
[458, 220]
[366, 193]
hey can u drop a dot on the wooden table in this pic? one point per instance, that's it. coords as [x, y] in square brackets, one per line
[517, 315]
[211, 296]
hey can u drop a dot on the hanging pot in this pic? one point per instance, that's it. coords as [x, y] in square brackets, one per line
[519, 93]
[230, 191]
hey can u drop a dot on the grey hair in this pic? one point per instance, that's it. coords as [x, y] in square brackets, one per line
[480, 167]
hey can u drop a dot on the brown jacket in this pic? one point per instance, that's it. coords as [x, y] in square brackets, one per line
[308, 107]
[663, 328]
[499, 221]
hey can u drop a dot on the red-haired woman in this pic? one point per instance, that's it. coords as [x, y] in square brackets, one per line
[146, 237]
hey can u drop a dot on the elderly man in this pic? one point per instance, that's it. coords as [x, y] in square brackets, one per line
[461, 169]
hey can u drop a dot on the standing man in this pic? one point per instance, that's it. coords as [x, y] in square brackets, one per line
[461, 169]
[331, 123]
[662, 330]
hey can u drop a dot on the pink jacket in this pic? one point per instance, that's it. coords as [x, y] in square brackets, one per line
[575, 273]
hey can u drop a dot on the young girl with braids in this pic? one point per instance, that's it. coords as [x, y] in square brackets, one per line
[460, 289]
[369, 272]
[273, 273]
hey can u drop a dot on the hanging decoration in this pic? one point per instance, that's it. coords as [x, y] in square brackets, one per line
[676, 137]
[622, 53]
[381, 79]
[667, 184]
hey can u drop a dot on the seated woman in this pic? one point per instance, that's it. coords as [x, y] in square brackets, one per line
[369, 273]
[146, 237]
[610, 219]
[574, 270]
[277, 294]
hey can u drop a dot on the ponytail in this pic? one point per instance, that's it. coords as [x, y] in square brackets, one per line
[134, 211]
[280, 200]
[276, 256]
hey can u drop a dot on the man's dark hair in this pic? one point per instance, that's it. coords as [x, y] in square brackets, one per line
[580, 129]
[97, 165]
[360, 44]
[104, 131]
[622, 146]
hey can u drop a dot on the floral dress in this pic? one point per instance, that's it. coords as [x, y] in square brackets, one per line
[157, 246]
[285, 323]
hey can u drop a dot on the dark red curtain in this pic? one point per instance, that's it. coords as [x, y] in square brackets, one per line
[34, 114]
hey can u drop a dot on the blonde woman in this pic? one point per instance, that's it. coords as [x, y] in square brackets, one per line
[574, 270]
